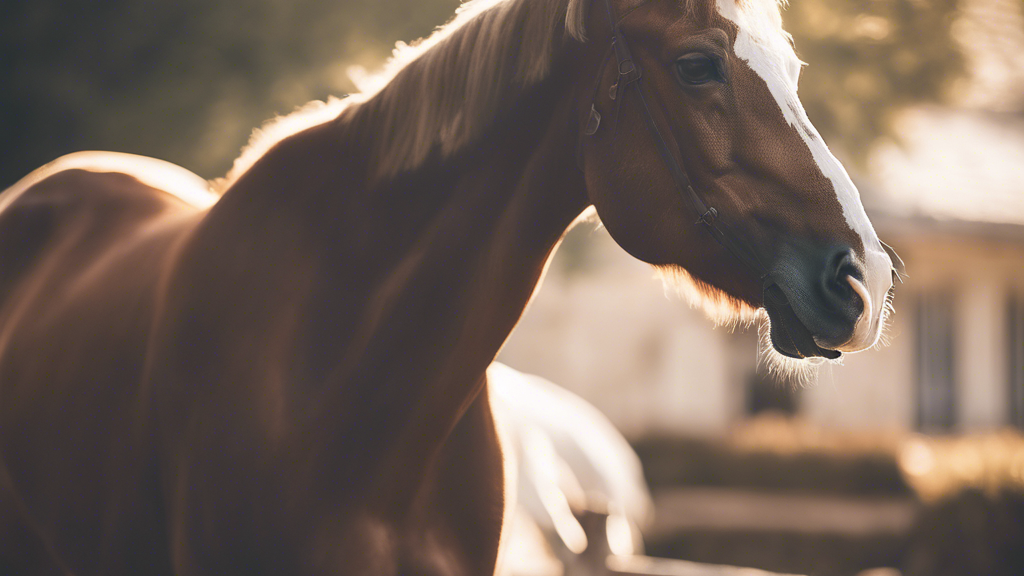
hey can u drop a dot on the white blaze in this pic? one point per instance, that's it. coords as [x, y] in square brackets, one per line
[765, 47]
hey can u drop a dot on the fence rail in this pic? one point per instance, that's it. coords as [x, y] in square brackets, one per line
[650, 566]
[597, 559]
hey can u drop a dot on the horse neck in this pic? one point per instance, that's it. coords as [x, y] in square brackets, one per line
[442, 262]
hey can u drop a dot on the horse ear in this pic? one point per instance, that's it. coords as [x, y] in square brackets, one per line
[897, 262]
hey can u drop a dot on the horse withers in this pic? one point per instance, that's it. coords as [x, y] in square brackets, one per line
[287, 376]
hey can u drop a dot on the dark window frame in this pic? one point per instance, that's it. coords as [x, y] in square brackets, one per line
[936, 363]
[1015, 358]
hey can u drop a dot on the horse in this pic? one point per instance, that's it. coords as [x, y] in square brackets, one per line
[285, 373]
[570, 461]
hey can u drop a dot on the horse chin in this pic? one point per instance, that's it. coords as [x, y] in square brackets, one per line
[795, 341]
[788, 334]
[786, 364]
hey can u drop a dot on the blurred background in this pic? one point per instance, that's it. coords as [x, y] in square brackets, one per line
[909, 457]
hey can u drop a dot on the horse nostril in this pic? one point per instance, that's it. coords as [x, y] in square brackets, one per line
[839, 268]
[823, 288]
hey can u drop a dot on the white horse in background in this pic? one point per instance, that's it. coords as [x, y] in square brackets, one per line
[570, 461]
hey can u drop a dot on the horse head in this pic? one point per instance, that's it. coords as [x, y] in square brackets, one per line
[699, 158]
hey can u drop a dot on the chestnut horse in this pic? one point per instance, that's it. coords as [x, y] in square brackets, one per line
[289, 377]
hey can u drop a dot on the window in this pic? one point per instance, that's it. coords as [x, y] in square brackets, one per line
[936, 380]
[1015, 343]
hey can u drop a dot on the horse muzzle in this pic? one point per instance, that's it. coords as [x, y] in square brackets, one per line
[814, 301]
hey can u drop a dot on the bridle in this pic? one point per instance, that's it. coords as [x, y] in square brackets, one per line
[707, 215]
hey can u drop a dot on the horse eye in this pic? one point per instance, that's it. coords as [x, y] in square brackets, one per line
[697, 69]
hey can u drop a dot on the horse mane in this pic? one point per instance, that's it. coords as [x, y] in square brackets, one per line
[443, 91]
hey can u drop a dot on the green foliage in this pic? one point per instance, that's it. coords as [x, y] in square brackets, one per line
[868, 59]
[182, 80]
[187, 80]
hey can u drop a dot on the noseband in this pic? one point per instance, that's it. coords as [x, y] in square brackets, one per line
[707, 215]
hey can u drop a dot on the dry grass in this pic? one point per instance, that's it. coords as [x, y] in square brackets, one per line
[785, 436]
[970, 519]
[937, 467]
[777, 452]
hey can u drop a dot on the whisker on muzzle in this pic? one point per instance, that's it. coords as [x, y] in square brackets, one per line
[888, 309]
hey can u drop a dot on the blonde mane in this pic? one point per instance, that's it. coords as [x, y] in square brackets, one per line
[458, 75]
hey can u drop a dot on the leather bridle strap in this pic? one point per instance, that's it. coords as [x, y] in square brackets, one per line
[629, 74]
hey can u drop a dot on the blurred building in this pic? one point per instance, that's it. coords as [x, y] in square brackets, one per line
[951, 198]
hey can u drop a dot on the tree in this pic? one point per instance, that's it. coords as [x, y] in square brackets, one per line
[868, 59]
